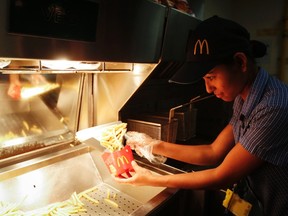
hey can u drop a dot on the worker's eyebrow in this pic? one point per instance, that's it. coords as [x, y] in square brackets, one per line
[210, 73]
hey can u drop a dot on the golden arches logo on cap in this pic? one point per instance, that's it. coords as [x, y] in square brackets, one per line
[201, 44]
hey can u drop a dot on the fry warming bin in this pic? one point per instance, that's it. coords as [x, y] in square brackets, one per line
[110, 55]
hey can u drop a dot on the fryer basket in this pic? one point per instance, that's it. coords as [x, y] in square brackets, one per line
[158, 127]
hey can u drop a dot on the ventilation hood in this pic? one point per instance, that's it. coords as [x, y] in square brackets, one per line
[90, 31]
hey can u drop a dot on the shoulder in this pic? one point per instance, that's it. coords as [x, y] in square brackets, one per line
[275, 93]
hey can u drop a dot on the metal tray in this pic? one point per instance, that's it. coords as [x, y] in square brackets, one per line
[53, 177]
[126, 204]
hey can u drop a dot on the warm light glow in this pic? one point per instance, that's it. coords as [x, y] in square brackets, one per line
[65, 64]
[27, 92]
[4, 63]
[9, 143]
[59, 64]
[137, 69]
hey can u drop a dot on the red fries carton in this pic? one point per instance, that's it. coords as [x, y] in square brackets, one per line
[116, 157]
[119, 162]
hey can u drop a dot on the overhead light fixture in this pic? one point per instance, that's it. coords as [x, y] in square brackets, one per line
[58, 64]
[65, 65]
[4, 63]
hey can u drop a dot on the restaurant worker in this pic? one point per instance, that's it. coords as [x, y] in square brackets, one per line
[254, 145]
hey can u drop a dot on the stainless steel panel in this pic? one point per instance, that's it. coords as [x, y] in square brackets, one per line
[123, 34]
[42, 120]
[112, 91]
[8, 105]
[178, 27]
[55, 176]
[158, 127]
[49, 179]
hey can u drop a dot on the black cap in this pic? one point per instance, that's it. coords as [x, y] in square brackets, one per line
[213, 42]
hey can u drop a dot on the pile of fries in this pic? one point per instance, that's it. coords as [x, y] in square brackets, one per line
[116, 157]
[113, 137]
[74, 205]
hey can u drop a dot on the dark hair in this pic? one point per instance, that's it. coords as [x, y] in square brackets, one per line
[257, 50]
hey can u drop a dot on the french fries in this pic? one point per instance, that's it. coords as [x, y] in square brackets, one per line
[112, 137]
[74, 205]
[71, 206]
[111, 202]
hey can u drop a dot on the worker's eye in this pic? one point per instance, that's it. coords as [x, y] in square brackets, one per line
[209, 77]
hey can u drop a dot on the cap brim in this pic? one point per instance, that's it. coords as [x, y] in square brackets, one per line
[192, 72]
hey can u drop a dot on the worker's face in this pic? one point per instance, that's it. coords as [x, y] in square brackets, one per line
[225, 82]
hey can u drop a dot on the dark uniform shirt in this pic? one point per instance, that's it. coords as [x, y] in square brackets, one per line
[260, 125]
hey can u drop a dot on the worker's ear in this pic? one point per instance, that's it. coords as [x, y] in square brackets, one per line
[241, 60]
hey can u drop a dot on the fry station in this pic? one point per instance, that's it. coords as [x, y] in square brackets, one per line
[68, 71]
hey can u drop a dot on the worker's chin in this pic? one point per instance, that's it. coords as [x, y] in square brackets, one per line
[225, 98]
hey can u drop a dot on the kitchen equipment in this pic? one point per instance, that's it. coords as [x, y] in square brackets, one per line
[177, 124]
[40, 169]
[186, 122]
[186, 115]
[158, 127]
[193, 100]
[31, 91]
[53, 177]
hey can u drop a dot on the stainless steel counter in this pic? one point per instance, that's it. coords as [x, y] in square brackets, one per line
[55, 176]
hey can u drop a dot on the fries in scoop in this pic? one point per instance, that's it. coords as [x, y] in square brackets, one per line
[113, 136]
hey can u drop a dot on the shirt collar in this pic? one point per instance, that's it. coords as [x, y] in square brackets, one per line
[255, 94]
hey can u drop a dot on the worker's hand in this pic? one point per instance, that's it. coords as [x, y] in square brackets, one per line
[137, 141]
[14, 91]
[143, 146]
[139, 178]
